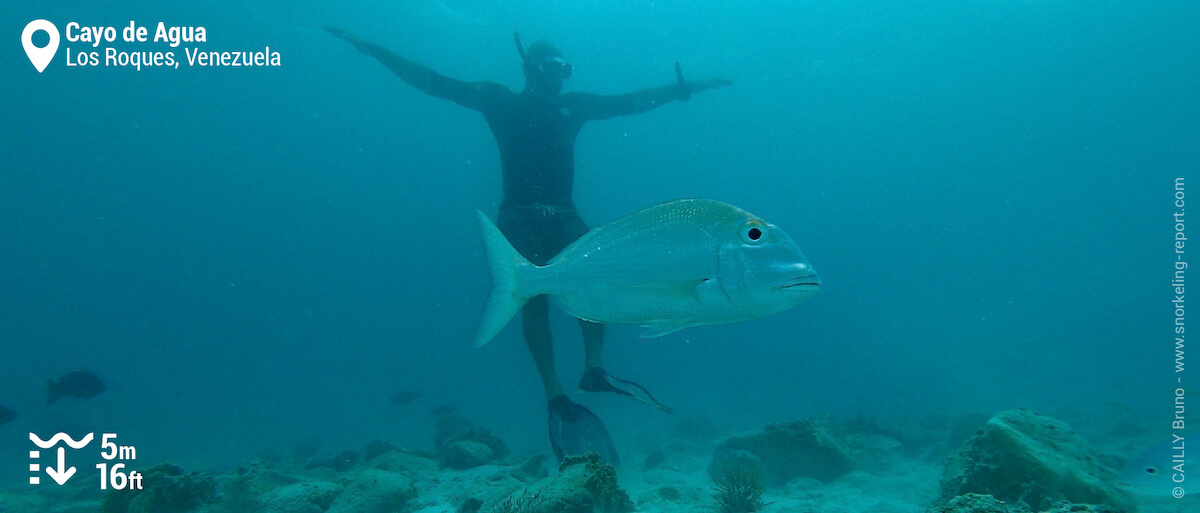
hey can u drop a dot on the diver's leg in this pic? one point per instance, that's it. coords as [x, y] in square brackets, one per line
[536, 326]
[596, 379]
[574, 429]
[593, 344]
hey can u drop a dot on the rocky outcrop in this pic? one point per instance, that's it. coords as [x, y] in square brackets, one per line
[583, 484]
[782, 452]
[1028, 459]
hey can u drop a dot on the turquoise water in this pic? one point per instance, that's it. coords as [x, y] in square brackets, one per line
[254, 257]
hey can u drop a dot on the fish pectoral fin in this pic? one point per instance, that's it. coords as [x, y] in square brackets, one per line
[658, 329]
[709, 291]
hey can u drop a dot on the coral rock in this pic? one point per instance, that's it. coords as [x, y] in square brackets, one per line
[167, 489]
[1021, 457]
[451, 427]
[308, 497]
[786, 451]
[975, 503]
[465, 454]
[583, 484]
[374, 491]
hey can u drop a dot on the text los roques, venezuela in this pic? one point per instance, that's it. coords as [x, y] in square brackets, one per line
[173, 36]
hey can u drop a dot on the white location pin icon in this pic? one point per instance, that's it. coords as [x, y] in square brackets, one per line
[40, 57]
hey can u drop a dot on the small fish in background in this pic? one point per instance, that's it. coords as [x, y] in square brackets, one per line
[404, 397]
[6, 415]
[81, 384]
[1150, 473]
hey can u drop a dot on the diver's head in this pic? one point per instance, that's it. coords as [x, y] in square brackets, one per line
[545, 68]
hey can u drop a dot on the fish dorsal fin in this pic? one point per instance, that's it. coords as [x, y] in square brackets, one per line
[658, 329]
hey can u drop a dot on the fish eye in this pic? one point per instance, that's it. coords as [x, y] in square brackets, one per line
[754, 232]
[1151, 470]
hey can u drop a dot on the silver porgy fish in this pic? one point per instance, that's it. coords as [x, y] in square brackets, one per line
[678, 264]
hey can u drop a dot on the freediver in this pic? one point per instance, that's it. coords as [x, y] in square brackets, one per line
[535, 131]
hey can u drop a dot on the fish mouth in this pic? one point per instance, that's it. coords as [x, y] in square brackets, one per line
[807, 283]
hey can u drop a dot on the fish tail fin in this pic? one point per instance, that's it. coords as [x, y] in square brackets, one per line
[507, 296]
[52, 392]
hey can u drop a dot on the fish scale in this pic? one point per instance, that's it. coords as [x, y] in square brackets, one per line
[657, 282]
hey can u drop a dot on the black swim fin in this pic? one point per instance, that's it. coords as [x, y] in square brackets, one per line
[575, 430]
[597, 380]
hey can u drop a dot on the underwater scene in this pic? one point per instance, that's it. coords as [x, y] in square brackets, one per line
[458, 256]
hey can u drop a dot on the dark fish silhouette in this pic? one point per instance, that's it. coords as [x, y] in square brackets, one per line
[81, 384]
[404, 397]
[6, 414]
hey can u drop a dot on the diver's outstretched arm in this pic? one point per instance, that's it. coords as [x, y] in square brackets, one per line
[472, 95]
[637, 102]
[417, 75]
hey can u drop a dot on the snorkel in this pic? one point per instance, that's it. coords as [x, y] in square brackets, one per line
[529, 66]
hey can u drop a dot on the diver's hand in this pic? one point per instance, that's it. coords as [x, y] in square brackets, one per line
[686, 87]
[704, 85]
[338, 33]
[420, 77]
[361, 45]
[345, 36]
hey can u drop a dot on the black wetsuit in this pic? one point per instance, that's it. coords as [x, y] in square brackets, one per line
[536, 137]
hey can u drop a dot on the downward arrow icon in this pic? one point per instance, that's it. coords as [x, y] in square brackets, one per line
[61, 475]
